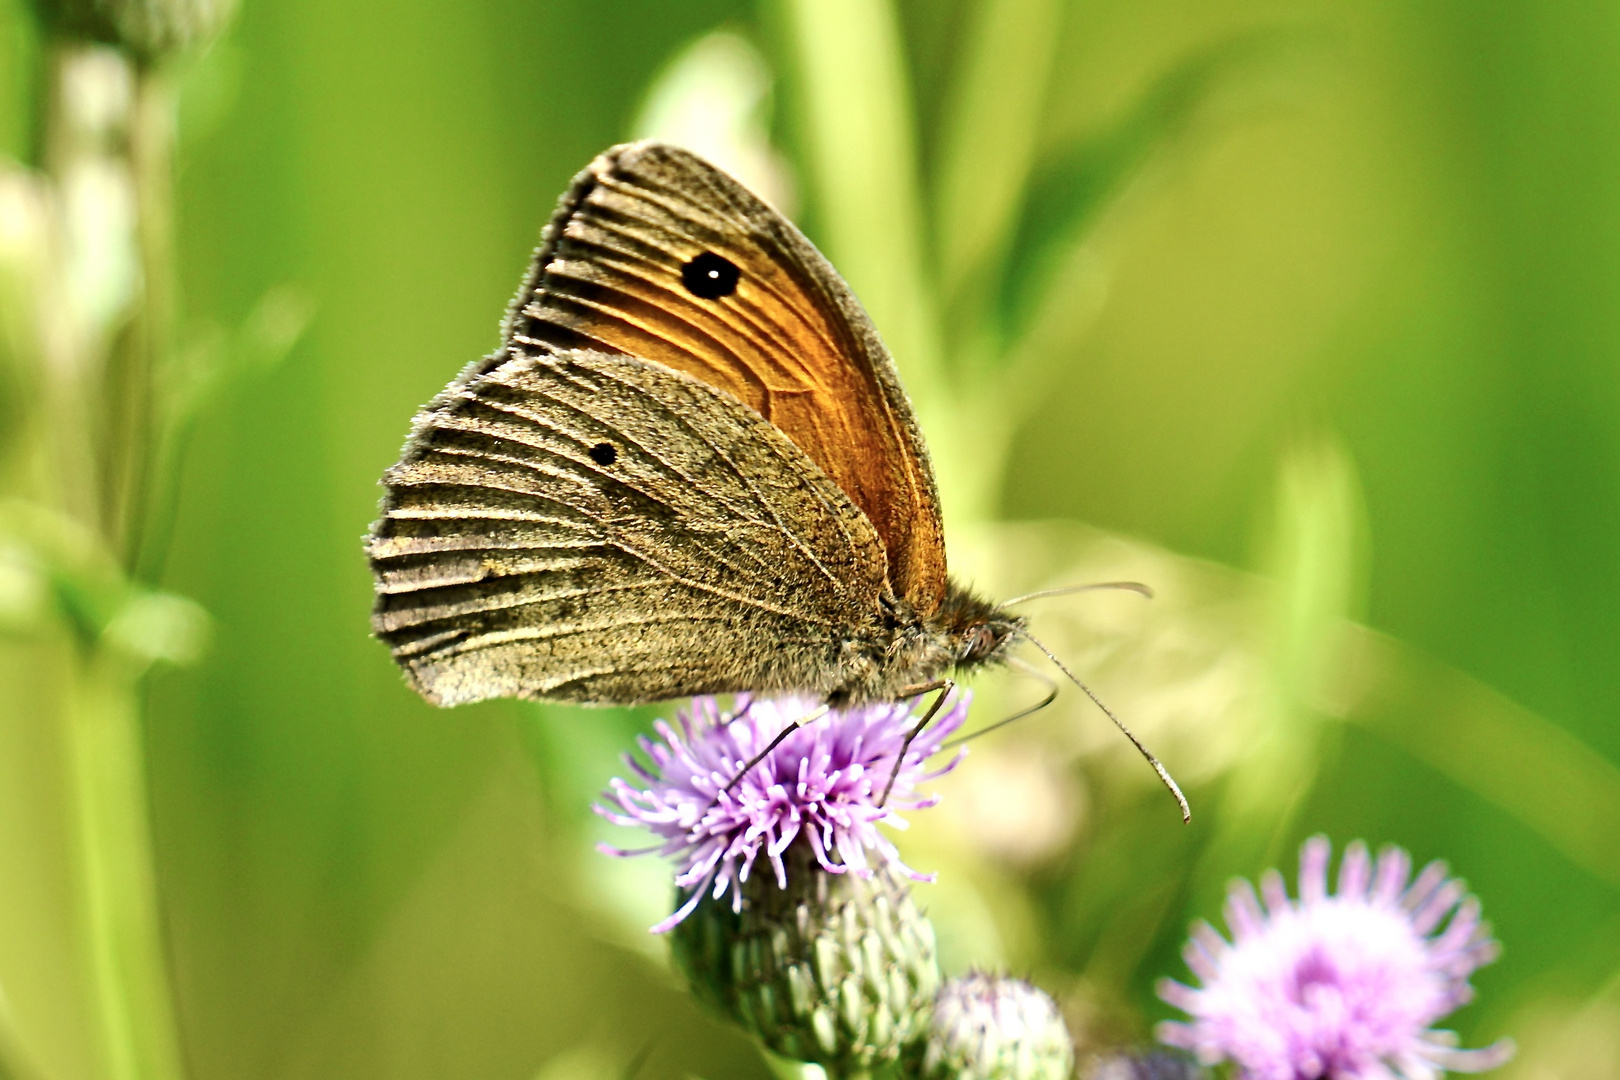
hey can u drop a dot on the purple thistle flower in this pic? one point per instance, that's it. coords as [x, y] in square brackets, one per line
[822, 783]
[1342, 986]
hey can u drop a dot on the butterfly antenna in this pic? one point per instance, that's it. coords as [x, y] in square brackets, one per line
[1032, 672]
[1126, 586]
[1164, 774]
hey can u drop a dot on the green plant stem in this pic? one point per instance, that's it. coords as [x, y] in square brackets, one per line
[68, 354]
[105, 365]
[122, 921]
[132, 378]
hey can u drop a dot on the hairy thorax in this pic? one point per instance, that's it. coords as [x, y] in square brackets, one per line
[903, 652]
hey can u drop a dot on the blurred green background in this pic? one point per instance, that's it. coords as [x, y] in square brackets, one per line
[1319, 333]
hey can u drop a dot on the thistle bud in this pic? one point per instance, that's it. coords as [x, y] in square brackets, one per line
[147, 28]
[837, 969]
[988, 1027]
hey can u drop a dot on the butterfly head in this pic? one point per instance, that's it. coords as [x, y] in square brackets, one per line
[986, 641]
[980, 633]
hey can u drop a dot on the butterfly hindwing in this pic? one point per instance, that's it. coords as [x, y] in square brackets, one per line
[594, 527]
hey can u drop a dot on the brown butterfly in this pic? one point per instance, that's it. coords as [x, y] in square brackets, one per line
[689, 469]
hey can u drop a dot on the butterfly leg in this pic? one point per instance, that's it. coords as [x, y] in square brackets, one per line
[765, 753]
[944, 686]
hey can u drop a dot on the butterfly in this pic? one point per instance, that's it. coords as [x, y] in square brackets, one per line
[690, 468]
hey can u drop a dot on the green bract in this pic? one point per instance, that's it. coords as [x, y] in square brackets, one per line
[835, 969]
[988, 1027]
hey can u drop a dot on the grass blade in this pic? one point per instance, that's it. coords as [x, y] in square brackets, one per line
[991, 129]
[860, 148]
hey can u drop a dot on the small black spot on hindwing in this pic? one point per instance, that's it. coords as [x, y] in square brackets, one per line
[710, 276]
[604, 453]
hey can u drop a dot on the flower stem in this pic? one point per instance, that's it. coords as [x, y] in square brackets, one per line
[132, 377]
[122, 923]
[108, 138]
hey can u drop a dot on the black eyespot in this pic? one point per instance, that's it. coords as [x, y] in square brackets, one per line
[710, 276]
[604, 453]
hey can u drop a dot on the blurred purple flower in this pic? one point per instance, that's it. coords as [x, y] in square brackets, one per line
[822, 783]
[1343, 986]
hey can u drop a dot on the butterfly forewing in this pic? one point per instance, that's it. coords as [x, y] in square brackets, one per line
[784, 336]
